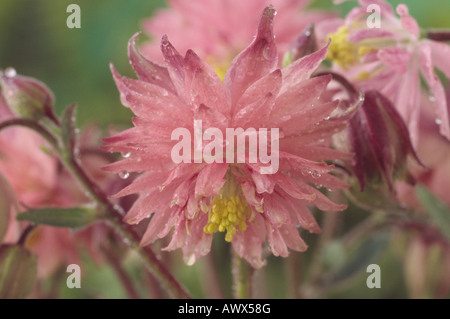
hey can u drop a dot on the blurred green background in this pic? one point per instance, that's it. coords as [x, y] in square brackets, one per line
[74, 63]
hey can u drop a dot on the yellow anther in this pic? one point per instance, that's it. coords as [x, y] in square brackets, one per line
[229, 211]
[363, 75]
[365, 50]
[341, 51]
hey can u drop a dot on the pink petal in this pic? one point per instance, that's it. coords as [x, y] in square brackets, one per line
[436, 89]
[298, 97]
[248, 244]
[292, 238]
[395, 58]
[211, 179]
[159, 226]
[408, 22]
[146, 70]
[302, 69]
[276, 213]
[277, 244]
[440, 53]
[254, 62]
[255, 105]
[302, 214]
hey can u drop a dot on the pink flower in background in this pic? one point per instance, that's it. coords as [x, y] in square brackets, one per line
[434, 150]
[390, 59]
[197, 200]
[217, 30]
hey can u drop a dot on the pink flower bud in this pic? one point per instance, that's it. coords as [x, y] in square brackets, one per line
[380, 141]
[305, 44]
[25, 96]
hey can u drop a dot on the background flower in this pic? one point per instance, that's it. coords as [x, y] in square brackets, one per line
[218, 30]
[390, 60]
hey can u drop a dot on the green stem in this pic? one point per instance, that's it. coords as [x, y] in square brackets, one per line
[242, 278]
[114, 218]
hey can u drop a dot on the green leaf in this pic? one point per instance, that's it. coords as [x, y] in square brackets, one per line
[18, 271]
[60, 217]
[438, 210]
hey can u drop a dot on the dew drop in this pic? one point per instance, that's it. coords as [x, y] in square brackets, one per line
[124, 175]
[190, 260]
[305, 171]
[327, 118]
[126, 155]
[164, 92]
[438, 121]
[10, 72]
[315, 174]
[267, 53]
[318, 186]
[431, 98]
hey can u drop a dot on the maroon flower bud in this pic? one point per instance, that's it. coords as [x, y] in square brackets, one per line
[305, 44]
[25, 96]
[380, 141]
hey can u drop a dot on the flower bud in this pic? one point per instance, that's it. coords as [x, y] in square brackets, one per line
[25, 96]
[305, 44]
[380, 141]
[18, 270]
[6, 205]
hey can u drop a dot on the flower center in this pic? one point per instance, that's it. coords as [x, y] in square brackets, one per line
[220, 67]
[341, 51]
[229, 211]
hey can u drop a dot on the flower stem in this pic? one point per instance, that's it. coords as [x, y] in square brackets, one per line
[114, 218]
[438, 35]
[121, 273]
[242, 278]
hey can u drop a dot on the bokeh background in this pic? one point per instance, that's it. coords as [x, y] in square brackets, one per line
[74, 63]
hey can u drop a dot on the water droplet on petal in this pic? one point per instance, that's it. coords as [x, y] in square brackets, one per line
[438, 121]
[126, 155]
[190, 260]
[431, 98]
[315, 174]
[124, 175]
[10, 72]
[267, 53]
[305, 171]
[164, 92]
[327, 118]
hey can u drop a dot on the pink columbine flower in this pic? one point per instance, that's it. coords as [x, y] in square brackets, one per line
[197, 200]
[390, 59]
[217, 30]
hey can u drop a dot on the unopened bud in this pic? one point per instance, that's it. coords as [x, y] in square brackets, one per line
[25, 96]
[305, 44]
[380, 141]
[18, 271]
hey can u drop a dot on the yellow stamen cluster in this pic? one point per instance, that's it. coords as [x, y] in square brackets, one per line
[341, 51]
[228, 212]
